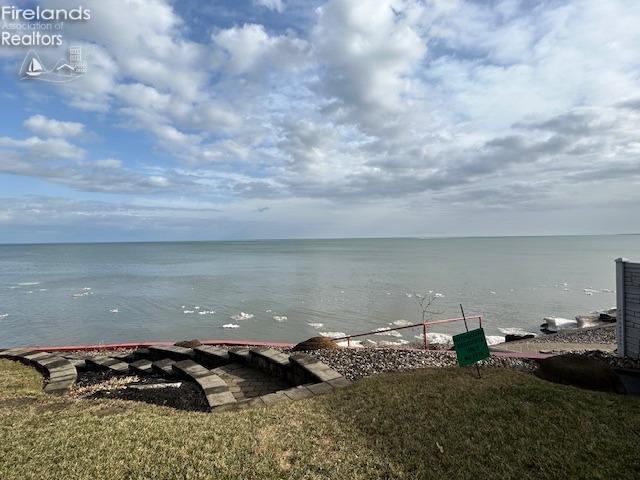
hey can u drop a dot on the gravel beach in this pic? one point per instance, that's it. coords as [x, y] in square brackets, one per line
[599, 334]
[364, 362]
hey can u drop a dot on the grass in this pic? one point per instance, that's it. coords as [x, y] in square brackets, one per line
[422, 424]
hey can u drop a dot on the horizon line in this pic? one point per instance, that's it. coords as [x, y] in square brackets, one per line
[408, 237]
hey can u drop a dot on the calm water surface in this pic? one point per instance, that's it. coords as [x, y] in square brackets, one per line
[61, 294]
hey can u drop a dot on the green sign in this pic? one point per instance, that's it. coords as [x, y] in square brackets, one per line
[470, 347]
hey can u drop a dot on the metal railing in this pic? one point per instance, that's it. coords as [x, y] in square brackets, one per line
[425, 326]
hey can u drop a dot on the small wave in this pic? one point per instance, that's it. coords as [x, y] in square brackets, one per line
[515, 331]
[494, 339]
[352, 344]
[386, 331]
[230, 325]
[439, 338]
[333, 334]
[242, 316]
[27, 284]
[82, 294]
[187, 312]
[280, 318]
[398, 343]
[316, 325]
[114, 310]
[401, 323]
[3, 315]
[206, 312]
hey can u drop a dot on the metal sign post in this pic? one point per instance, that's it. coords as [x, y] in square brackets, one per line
[471, 346]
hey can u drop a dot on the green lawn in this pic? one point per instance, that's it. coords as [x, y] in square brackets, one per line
[423, 424]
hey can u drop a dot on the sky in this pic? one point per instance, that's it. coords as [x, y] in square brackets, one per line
[250, 119]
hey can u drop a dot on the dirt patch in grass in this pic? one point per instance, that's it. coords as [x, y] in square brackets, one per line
[152, 389]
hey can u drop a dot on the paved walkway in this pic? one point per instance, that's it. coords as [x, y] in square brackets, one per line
[522, 346]
[247, 382]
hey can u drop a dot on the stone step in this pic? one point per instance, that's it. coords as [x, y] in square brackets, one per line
[109, 363]
[305, 368]
[211, 356]
[60, 372]
[142, 366]
[79, 363]
[214, 388]
[163, 367]
[270, 361]
[240, 355]
[190, 369]
[171, 351]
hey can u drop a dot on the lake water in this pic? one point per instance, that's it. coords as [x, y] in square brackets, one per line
[86, 293]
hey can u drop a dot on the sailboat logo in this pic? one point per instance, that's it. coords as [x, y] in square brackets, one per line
[35, 68]
[64, 71]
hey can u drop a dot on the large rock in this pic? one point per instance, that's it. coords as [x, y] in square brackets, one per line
[513, 337]
[609, 315]
[316, 343]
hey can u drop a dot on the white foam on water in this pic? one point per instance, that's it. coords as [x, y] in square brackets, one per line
[242, 316]
[28, 284]
[189, 311]
[280, 318]
[230, 325]
[401, 323]
[494, 339]
[590, 291]
[196, 308]
[3, 315]
[333, 334]
[387, 343]
[386, 331]
[316, 325]
[42, 289]
[114, 310]
[438, 295]
[492, 292]
[515, 331]
[439, 338]
[268, 310]
[352, 344]
[607, 290]
[206, 312]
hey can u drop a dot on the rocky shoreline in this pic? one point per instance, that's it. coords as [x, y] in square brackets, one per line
[599, 334]
[364, 362]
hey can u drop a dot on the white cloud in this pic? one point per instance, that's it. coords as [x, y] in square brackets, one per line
[41, 125]
[250, 49]
[452, 104]
[275, 5]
